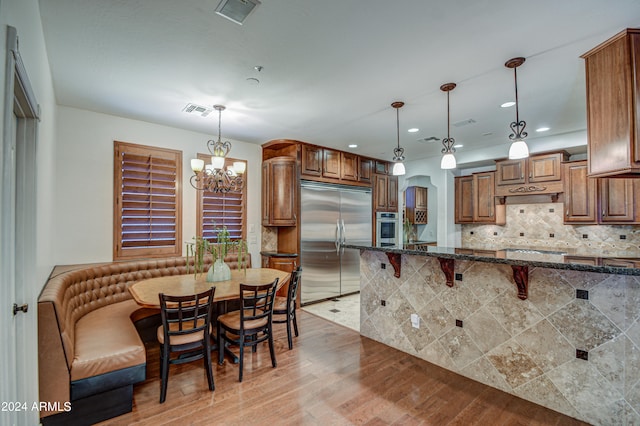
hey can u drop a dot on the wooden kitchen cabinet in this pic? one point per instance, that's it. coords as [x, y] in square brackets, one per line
[580, 194]
[349, 166]
[475, 200]
[365, 168]
[617, 200]
[385, 193]
[416, 205]
[283, 262]
[613, 95]
[311, 160]
[599, 200]
[320, 162]
[331, 160]
[484, 200]
[464, 199]
[538, 174]
[279, 189]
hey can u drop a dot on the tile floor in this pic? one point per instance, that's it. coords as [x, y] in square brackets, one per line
[344, 310]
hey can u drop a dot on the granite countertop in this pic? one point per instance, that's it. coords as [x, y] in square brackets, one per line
[521, 256]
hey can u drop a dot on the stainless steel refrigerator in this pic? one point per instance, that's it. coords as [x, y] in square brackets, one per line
[331, 215]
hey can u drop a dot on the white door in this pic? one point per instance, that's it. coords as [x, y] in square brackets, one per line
[18, 345]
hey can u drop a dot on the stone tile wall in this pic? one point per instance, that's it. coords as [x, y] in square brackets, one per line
[541, 226]
[526, 348]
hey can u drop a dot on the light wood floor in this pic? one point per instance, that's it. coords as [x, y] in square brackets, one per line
[333, 376]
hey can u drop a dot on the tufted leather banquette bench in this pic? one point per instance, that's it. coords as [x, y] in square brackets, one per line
[89, 350]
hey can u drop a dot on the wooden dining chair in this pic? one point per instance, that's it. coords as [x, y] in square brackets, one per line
[251, 324]
[185, 330]
[284, 308]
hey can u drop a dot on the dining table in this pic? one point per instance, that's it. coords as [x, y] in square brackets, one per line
[146, 292]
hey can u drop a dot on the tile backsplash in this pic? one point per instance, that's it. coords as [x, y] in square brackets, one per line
[541, 226]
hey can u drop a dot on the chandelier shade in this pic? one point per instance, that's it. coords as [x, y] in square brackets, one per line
[448, 159]
[398, 153]
[518, 148]
[214, 177]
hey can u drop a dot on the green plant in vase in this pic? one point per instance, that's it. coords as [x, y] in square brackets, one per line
[224, 244]
[197, 250]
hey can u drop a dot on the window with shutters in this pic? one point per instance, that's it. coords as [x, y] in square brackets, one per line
[217, 209]
[147, 201]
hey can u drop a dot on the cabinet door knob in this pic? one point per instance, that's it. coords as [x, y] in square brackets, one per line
[603, 213]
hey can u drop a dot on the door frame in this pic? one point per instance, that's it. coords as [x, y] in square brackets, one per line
[18, 238]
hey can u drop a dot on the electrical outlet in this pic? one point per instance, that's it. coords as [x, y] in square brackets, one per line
[415, 321]
[383, 302]
[383, 265]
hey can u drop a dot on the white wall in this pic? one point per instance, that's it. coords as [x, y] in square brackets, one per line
[84, 181]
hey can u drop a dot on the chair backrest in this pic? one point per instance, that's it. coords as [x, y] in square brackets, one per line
[186, 314]
[256, 301]
[294, 283]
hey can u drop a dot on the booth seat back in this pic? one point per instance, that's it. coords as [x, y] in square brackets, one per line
[69, 296]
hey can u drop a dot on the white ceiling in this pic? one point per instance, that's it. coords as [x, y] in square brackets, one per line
[333, 67]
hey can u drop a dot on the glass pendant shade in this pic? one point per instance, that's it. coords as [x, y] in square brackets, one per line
[448, 162]
[217, 162]
[398, 169]
[239, 167]
[197, 165]
[518, 150]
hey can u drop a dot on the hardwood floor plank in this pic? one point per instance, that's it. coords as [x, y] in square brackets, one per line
[332, 376]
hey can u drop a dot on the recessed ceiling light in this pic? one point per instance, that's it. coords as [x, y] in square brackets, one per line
[413, 130]
[507, 104]
[458, 145]
[353, 145]
[542, 129]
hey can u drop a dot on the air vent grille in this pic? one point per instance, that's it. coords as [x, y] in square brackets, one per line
[200, 110]
[236, 10]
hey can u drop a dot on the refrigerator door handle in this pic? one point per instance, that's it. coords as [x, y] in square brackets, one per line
[344, 234]
[337, 241]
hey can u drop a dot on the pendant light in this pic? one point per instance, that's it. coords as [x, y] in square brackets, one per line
[398, 153]
[519, 148]
[214, 177]
[448, 159]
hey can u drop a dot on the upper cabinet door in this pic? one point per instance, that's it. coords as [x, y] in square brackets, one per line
[279, 189]
[544, 168]
[464, 199]
[579, 194]
[349, 166]
[331, 163]
[509, 172]
[483, 197]
[617, 200]
[392, 193]
[613, 96]
[365, 167]
[380, 192]
[311, 160]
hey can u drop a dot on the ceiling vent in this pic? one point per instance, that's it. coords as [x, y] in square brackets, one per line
[200, 110]
[429, 139]
[464, 122]
[236, 10]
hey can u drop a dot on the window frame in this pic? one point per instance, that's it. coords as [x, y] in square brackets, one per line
[148, 251]
[200, 198]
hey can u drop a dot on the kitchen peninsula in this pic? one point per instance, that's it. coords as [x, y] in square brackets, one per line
[566, 340]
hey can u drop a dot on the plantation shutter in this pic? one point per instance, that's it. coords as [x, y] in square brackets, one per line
[216, 209]
[148, 204]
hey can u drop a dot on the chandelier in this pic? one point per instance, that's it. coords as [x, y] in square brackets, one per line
[519, 148]
[448, 159]
[214, 177]
[398, 153]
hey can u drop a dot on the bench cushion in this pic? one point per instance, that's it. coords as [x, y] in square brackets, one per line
[106, 340]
